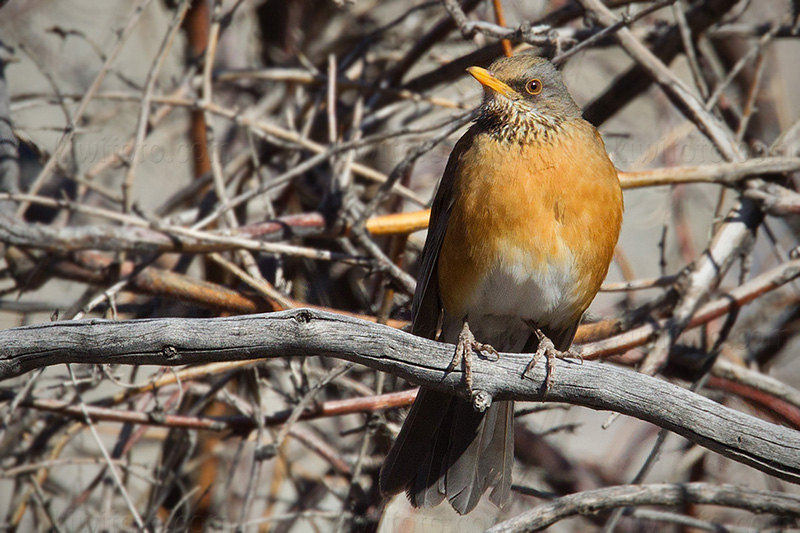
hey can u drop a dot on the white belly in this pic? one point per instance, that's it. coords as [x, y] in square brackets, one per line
[513, 291]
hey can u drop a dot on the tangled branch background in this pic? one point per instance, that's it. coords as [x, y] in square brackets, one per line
[167, 158]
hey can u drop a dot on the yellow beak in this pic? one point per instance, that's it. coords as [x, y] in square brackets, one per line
[487, 79]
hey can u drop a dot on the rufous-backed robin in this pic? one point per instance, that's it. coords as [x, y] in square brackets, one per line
[522, 232]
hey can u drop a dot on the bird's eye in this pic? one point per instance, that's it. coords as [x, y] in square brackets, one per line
[534, 86]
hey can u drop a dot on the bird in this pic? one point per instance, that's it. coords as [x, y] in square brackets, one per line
[522, 232]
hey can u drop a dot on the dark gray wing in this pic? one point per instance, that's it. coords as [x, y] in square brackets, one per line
[427, 306]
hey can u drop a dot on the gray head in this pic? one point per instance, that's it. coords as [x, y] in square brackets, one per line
[524, 92]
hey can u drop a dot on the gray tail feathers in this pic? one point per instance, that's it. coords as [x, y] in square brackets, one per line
[447, 449]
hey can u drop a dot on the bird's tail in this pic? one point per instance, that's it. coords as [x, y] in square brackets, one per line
[447, 449]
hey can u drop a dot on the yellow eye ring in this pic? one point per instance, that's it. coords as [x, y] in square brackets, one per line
[534, 86]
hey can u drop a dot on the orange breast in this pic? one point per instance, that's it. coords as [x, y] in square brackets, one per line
[533, 227]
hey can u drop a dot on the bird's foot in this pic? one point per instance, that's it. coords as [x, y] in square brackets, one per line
[547, 349]
[464, 347]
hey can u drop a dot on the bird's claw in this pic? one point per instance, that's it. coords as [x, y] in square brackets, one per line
[464, 347]
[547, 348]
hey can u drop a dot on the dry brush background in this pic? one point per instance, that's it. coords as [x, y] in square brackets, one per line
[165, 158]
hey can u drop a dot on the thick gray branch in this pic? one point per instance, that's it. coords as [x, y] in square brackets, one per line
[304, 332]
[598, 500]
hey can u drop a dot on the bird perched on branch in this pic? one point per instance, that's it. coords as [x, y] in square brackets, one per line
[522, 232]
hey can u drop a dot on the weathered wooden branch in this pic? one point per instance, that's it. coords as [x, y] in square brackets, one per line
[304, 332]
[598, 500]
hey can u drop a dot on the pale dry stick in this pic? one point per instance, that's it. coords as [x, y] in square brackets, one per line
[403, 166]
[459, 17]
[59, 97]
[756, 380]
[66, 139]
[327, 409]
[289, 517]
[742, 128]
[255, 466]
[536, 36]
[689, 522]
[205, 102]
[39, 494]
[738, 296]
[669, 139]
[96, 211]
[269, 451]
[791, 134]
[42, 473]
[306, 77]
[712, 127]
[218, 180]
[639, 284]
[14, 232]
[331, 99]
[736, 234]
[179, 505]
[688, 48]
[308, 118]
[725, 173]
[334, 184]
[49, 464]
[122, 154]
[147, 95]
[107, 294]
[297, 170]
[117, 156]
[109, 462]
[773, 198]
[672, 495]
[625, 21]
[261, 126]
[752, 93]
[346, 174]
[250, 244]
[259, 284]
[401, 277]
[366, 442]
[737, 68]
[745, 31]
[62, 101]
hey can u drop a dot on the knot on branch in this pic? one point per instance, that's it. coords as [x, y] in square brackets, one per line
[303, 316]
[169, 352]
[266, 452]
[481, 400]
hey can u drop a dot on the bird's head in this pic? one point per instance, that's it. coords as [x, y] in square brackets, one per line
[524, 97]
